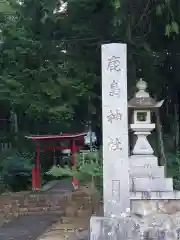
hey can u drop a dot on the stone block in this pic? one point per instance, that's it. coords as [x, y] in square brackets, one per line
[152, 207]
[153, 195]
[176, 194]
[146, 161]
[147, 185]
[144, 172]
[156, 226]
[104, 228]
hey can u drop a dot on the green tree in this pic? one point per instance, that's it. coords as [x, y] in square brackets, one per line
[34, 73]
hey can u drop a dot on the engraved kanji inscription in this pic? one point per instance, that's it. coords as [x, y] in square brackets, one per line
[116, 190]
[114, 64]
[147, 165]
[114, 144]
[116, 115]
[115, 89]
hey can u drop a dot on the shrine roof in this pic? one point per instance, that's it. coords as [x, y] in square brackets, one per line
[142, 102]
[55, 137]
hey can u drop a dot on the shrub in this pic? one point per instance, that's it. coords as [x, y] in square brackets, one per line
[16, 170]
[173, 166]
[88, 168]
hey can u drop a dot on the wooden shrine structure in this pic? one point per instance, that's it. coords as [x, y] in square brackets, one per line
[71, 144]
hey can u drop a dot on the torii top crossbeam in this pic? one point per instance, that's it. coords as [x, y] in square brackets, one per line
[56, 137]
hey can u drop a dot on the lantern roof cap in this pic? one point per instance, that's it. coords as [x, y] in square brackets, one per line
[142, 99]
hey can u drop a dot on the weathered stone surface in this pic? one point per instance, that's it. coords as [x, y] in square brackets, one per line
[143, 172]
[104, 228]
[141, 160]
[147, 184]
[115, 129]
[158, 226]
[146, 207]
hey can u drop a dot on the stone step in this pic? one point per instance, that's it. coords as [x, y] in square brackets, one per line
[144, 172]
[40, 210]
[59, 212]
[155, 195]
[68, 222]
[146, 161]
[147, 184]
[46, 200]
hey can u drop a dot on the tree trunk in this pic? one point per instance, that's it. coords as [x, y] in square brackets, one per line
[163, 160]
[176, 125]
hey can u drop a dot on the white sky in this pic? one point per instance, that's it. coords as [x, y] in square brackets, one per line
[62, 8]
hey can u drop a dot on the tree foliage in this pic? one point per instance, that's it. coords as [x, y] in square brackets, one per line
[50, 59]
[34, 73]
[88, 168]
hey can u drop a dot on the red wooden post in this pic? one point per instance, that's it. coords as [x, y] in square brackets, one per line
[73, 152]
[37, 168]
[33, 178]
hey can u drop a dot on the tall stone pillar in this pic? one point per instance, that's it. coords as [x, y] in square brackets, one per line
[115, 129]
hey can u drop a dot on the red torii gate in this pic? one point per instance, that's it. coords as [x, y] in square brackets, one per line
[37, 138]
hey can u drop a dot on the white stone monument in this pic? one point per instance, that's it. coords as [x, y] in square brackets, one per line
[115, 129]
[116, 189]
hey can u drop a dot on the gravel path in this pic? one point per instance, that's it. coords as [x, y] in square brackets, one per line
[31, 227]
[62, 185]
[27, 227]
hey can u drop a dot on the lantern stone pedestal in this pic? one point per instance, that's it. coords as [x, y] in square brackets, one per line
[142, 146]
[151, 192]
[145, 174]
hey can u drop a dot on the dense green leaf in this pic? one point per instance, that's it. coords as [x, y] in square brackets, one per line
[159, 10]
[175, 27]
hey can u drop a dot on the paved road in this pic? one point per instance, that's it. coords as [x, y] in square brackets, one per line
[27, 227]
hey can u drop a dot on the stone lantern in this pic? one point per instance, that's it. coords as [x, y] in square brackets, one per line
[142, 105]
